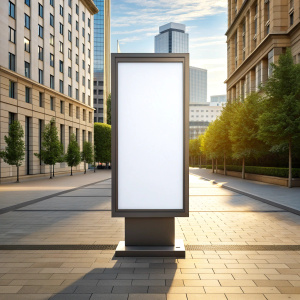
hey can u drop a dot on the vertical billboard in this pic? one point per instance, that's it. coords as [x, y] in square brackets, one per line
[150, 135]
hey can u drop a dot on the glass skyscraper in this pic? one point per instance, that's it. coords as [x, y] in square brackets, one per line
[198, 85]
[99, 37]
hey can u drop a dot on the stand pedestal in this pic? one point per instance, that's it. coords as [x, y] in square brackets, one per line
[150, 237]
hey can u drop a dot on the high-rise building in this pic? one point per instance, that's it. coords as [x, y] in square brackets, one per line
[46, 71]
[198, 85]
[172, 38]
[101, 59]
[258, 32]
[218, 100]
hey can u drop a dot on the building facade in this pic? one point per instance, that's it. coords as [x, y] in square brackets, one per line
[172, 38]
[46, 71]
[198, 85]
[200, 116]
[101, 59]
[258, 32]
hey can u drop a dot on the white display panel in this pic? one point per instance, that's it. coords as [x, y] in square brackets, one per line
[150, 135]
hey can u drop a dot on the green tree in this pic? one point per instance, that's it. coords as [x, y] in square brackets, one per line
[102, 142]
[14, 152]
[194, 149]
[243, 132]
[73, 153]
[279, 124]
[108, 103]
[52, 148]
[87, 155]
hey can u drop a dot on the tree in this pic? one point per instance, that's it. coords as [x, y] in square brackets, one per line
[194, 149]
[73, 153]
[243, 132]
[108, 103]
[102, 142]
[52, 148]
[87, 154]
[279, 124]
[14, 152]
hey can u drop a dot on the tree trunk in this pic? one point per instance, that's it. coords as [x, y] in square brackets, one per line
[84, 167]
[50, 166]
[243, 169]
[290, 164]
[18, 174]
[71, 171]
[53, 171]
[225, 172]
[212, 166]
[216, 166]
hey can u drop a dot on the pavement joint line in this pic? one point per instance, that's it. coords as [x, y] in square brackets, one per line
[267, 201]
[29, 202]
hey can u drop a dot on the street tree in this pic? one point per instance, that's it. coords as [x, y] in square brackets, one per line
[102, 142]
[279, 124]
[108, 103]
[14, 152]
[72, 156]
[87, 155]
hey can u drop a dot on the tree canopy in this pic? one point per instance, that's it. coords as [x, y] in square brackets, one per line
[102, 142]
[73, 157]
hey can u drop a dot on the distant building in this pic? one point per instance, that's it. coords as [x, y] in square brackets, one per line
[198, 85]
[200, 115]
[218, 100]
[172, 39]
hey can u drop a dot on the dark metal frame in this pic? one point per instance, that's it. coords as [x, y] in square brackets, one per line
[149, 58]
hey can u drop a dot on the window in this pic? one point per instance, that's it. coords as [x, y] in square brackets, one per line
[83, 48]
[51, 103]
[71, 110]
[77, 76]
[89, 100]
[69, 72]
[89, 22]
[51, 81]
[89, 37]
[26, 21]
[61, 106]
[12, 35]
[51, 20]
[41, 13]
[95, 91]
[89, 69]
[51, 39]
[70, 53]
[52, 2]
[77, 42]
[61, 66]
[61, 47]
[11, 89]
[77, 59]
[244, 41]
[41, 99]
[51, 60]
[27, 94]
[83, 80]
[11, 9]
[70, 3]
[40, 53]
[11, 61]
[61, 28]
[77, 26]
[83, 16]
[255, 19]
[84, 117]
[83, 32]
[61, 86]
[61, 10]
[95, 82]
[90, 120]
[27, 69]
[69, 19]
[69, 91]
[41, 79]
[26, 45]
[11, 118]
[69, 36]
[77, 10]
[291, 18]
[76, 94]
[41, 31]
[89, 53]
[77, 112]
[89, 84]
[83, 64]
[27, 2]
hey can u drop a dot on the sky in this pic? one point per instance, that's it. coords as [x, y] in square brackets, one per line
[136, 22]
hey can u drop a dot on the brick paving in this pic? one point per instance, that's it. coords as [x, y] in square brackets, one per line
[217, 217]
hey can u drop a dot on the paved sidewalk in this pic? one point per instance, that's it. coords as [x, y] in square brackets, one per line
[289, 197]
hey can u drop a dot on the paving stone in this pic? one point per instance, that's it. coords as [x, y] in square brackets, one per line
[147, 297]
[109, 297]
[245, 297]
[206, 297]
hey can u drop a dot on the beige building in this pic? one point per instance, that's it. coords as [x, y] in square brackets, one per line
[46, 71]
[258, 32]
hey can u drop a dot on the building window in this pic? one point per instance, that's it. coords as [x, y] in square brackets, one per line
[41, 99]
[11, 9]
[41, 79]
[255, 19]
[41, 13]
[89, 69]
[61, 47]
[83, 16]
[77, 10]
[26, 21]
[61, 28]
[77, 42]
[89, 22]
[26, 45]
[51, 81]
[11, 118]
[61, 10]
[70, 3]
[84, 115]
[83, 32]
[89, 37]
[83, 64]
[291, 18]
[52, 3]
[89, 84]
[70, 110]
[90, 120]
[51, 103]
[89, 53]
[61, 86]
[77, 76]
[89, 100]
[83, 48]
[61, 106]
[40, 53]
[77, 113]
[27, 94]
[77, 26]
[76, 94]
[69, 90]
[11, 61]
[27, 69]
[27, 2]
[41, 31]
[83, 97]
[69, 72]
[69, 19]
[51, 39]
[70, 53]
[77, 59]
[83, 80]
[12, 35]
[61, 66]
[51, 20]
[69, 36]
[11, 89]
[95, 83]
[244, 41]
[51, 60]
